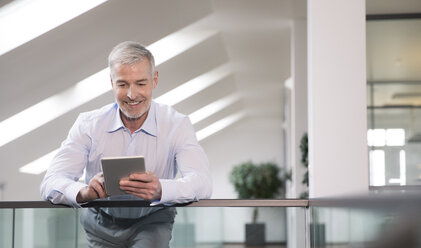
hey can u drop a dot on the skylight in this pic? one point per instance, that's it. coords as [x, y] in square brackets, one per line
[39, 165]
[178, 42]
[53, 107]
[195, 85]
[219, 125]
[213, 108]
[94, 86]
[24, 20]
[98, 84]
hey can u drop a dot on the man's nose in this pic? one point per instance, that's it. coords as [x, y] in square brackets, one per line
[131, 93]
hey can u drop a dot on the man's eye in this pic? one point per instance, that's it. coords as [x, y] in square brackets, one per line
[121, 85]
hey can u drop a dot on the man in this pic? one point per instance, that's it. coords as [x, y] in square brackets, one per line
[134, 125]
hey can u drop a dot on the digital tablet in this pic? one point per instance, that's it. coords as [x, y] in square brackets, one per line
[115, 168]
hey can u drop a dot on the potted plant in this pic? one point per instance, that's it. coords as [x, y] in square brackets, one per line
[257, 181]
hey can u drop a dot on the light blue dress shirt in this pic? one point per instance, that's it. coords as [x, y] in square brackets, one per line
[166, 139]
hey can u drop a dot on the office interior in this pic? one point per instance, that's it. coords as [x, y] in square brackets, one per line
[254, 78]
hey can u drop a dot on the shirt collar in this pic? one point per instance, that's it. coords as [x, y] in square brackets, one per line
[116, 122]
[149, 126]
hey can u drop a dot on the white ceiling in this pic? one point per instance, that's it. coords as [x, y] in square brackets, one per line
[252, 38]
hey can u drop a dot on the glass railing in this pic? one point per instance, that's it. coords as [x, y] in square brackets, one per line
[6, 227]
[207, 223]
[375, 221]
[371, 222]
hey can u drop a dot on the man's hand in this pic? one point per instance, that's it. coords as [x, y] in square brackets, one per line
[94, 190]
[143, 185]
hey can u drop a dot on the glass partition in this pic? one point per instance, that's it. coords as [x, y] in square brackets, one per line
[394, 139]
[52, 227]
[367, 223]
[207, 227]
[344, 227]
[375, 221]
[394, 101]
[6, 227]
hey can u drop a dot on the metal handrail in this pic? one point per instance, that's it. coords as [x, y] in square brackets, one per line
[139, 203]
[410, 199]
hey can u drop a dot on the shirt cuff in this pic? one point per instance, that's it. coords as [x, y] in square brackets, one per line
[168, 191]
[71, 193]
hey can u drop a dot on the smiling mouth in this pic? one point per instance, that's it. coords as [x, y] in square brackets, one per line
[132, 103]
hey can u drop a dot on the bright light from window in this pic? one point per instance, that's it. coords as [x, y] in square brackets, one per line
[213, 108]
[98, 84]
[54, 106]
[383, 137]
[395, 137]
[94, 86]
[175, 43]
[219, 125]
[24, 20]
[195, 85]
[402, 167]
[376, 137]
[40, 165]
[394, 180]
[377, 168]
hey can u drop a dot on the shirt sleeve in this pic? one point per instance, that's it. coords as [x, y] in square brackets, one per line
[192, 163]
[60, 184]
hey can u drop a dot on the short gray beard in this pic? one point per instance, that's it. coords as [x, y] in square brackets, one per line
[131, 118]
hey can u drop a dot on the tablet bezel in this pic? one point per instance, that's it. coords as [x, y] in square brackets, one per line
[115, 168]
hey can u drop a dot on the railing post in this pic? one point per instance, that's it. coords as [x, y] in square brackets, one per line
[13, 227]
[76, 227]
[307, 226]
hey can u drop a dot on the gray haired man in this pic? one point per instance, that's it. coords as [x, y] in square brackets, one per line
[133, 125]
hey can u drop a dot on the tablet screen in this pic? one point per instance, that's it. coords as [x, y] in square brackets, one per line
[115, 168]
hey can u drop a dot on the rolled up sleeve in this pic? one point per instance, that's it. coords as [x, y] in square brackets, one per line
[60, 184]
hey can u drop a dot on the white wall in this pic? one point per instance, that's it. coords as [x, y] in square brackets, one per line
[253, 139]
[337, 98]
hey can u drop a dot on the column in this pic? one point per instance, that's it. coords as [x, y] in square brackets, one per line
[337, 98]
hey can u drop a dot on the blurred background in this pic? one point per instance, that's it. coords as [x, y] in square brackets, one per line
[235, 67]
[226, 64]
[223, 63]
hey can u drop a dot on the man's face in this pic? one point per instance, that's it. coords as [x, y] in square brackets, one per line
[132, 86]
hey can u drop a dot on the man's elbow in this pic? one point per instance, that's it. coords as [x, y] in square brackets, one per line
[207, 189]
[42, 190]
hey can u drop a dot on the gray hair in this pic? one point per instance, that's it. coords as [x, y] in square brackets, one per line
[130, 53]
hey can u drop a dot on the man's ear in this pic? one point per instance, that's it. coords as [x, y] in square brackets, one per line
[111, 81]
[155, 79]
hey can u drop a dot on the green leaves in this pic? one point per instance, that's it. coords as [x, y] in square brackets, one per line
[261, 181]
[304, 160]
[304, 149]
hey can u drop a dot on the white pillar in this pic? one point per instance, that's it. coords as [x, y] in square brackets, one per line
[298, 117]
[298, 101]
[337, 98]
